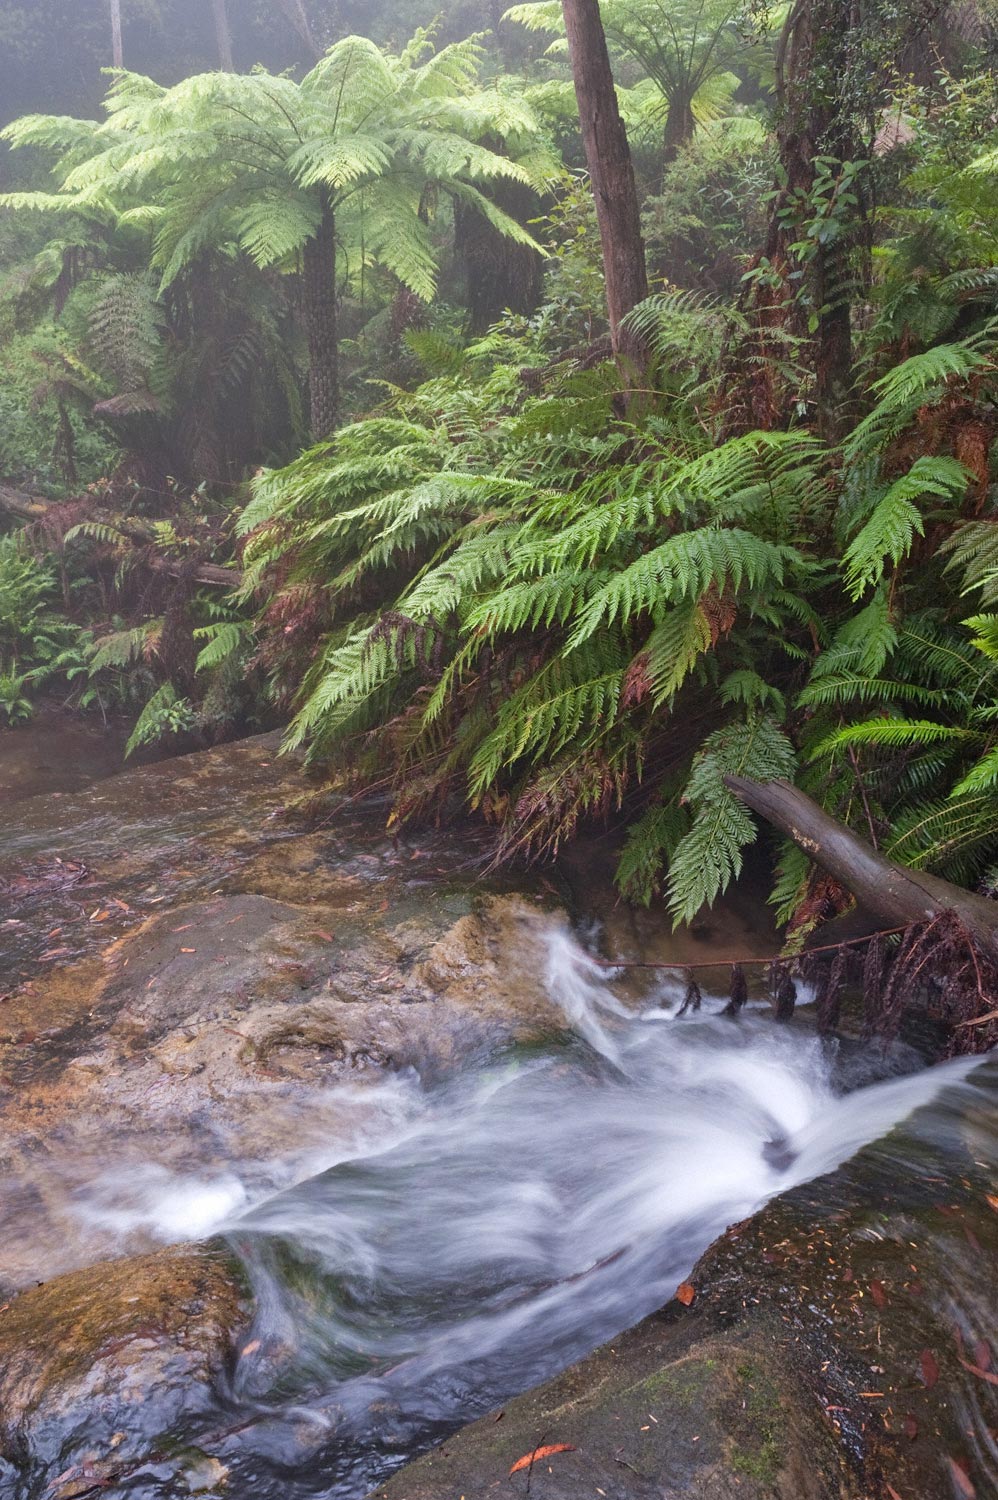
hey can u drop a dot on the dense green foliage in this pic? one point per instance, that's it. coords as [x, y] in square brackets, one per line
[519, 579]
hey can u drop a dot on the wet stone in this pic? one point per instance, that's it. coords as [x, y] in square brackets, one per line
[96, 1366]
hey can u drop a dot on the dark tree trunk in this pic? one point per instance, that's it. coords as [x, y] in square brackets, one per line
[833, 61]
[319, 270]
[499, 274]
[223, 35]
[894, 895]
[611, 170]
[815, 121]
[679, 127]
[117, 50]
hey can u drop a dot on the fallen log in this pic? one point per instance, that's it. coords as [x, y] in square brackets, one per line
[32, 509]
[891, 894]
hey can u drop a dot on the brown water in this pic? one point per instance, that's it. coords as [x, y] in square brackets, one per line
[57, 751]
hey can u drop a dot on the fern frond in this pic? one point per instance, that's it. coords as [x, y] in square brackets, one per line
[896, 519]
[709, 856]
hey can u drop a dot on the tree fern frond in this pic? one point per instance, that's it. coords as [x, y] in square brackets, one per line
[709, 856]
[895, 520]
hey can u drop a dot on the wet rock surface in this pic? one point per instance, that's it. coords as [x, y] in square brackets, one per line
[839, 1345]
[97, 1366]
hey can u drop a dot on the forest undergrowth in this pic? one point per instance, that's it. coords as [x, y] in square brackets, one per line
[492, 547]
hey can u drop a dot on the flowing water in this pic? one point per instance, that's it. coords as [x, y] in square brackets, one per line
[474, 1238]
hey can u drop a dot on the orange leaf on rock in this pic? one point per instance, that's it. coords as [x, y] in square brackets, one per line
[930, 1368]
[962, 1479]
[529, 1459]
[685, 1293]
[981, 1374]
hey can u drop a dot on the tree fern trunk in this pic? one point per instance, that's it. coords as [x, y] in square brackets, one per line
[320, 325]
[611, 170]
[680, 125]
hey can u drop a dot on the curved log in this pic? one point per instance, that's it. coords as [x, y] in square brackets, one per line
[894, 895]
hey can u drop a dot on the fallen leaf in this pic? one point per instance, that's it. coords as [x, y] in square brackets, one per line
[987, 1375]
[930, 1368]
[961, 1479]
[327, 937]
[910, 1427]
[892, 1491]
[685, 1293]
[529, 1459]
[993, 1200]
[252, 1348]
[878, 1294]
[188, 950]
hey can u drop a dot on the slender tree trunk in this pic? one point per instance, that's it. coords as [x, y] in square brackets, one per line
[117, 50]
[320, 324]
[611, 170]
[224, 36]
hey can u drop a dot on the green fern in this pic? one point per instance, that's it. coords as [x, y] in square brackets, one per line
[896, 520]
[709, 856]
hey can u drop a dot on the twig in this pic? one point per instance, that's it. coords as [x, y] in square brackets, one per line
[716, 963]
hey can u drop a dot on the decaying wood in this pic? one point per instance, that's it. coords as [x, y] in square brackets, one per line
[894, 895]
[32, 508]
[946, 945]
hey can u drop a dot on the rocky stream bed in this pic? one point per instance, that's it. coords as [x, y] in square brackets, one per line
[231, 1038]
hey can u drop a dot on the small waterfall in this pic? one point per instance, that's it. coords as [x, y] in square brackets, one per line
[471, 1240]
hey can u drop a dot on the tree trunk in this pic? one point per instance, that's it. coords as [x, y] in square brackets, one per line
[893, 895]
[320, 324]
[611, 170]
[223, 35]
[679, 126]
[297, 16]
[498, 273]
[33, 509]
[117, 50]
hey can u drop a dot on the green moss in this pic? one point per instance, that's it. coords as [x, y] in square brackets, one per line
[757, 1451]
[682, 1384]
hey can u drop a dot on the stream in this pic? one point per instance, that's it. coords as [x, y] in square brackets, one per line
[464, 1236]
[495, 1231]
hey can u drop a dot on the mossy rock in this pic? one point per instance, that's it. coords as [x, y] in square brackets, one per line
[95, 1365]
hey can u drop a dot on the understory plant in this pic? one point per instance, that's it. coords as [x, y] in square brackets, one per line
[595, 611]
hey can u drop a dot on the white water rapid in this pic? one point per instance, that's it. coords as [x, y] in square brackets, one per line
[471, 1240]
